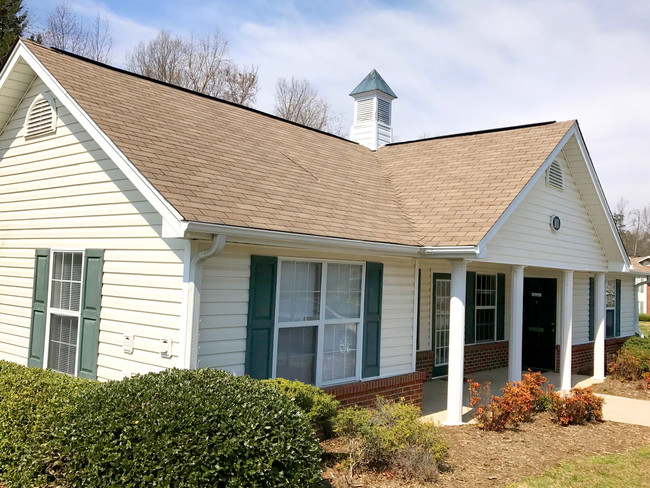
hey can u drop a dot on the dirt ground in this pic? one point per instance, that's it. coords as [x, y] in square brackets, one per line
[616, 387]
[490, 459]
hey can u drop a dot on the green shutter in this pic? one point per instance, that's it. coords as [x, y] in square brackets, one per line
[261, 316]
[372, 319]
[39, 307]
[617, 322]
[90, 307]
[470, 300]
[501, 307]
[591, 309]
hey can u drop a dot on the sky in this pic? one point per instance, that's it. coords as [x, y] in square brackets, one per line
[455, 65]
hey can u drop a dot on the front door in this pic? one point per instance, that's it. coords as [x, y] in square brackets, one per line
[540, 302]
[440, 321]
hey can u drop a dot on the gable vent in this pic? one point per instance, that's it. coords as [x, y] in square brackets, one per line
[383, 111]
[554, 176]
[365, 110]
[41, 117]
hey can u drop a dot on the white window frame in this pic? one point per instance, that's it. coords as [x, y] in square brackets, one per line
[321, 322]
[65, 313]
[486, 307]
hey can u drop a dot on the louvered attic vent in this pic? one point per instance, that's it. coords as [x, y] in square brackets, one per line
[41, 117]
[554, 176]
[364, 110]
[383, 111]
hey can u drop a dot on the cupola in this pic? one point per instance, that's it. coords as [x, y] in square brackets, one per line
[372, 112]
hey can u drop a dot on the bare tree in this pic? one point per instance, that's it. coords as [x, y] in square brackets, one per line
[200, 64]
[99, 40]
[67, 32]
[298, 101]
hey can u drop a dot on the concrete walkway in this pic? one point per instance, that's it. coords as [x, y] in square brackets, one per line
[615, 409]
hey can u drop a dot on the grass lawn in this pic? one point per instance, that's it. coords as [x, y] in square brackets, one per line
[629, 470]
[645, 328]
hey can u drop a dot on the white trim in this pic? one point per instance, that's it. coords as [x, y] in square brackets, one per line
[166, 210]
[245, 235]
[451, 252]
[416, 301]
[186, 317]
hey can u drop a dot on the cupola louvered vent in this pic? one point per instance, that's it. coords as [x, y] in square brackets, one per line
[365, 110]
[383, 111]
[41, 117]
[554, 176]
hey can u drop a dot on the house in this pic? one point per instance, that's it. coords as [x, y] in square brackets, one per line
[642, 264]
[147, 227]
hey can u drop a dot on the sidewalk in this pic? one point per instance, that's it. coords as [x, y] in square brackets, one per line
[626, 410]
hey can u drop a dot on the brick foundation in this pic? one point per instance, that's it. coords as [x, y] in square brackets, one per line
[407, 386]
[582, 355]
[478, 357]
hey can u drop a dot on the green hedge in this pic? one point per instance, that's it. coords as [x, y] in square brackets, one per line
[640, 348]
[175, 428]
[319, 407]
[30, 401]
[644, 317]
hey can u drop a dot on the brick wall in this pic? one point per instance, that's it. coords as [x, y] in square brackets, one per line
[582, 355]
[407, 386]
[478, 357]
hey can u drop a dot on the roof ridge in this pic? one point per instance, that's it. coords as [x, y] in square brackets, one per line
[180, 88]
[476, 132]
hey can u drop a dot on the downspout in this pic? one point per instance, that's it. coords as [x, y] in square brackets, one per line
[637, 328]
[194, 298]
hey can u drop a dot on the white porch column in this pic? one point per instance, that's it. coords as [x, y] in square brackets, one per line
[455, 382]
[567, 330]
[516, 322]
[599, 326]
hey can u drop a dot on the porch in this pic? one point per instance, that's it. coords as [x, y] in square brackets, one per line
[434, 392]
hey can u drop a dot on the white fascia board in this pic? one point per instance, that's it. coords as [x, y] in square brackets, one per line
[450, 252]
[526, 189]
[601, 194]
[244, 235]
[162, 206]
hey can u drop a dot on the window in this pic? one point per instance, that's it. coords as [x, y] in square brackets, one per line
[610, 308]
[64, 311]
[318, 321]
[486, 307]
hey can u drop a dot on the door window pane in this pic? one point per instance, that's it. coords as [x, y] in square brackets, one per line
[339, 351]
[300, 284]
[443, 297]
[610, 294]
[297, 354]
[486, 307]
[62, 353]
[343, 299]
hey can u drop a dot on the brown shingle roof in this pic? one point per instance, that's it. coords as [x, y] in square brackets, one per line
[636, 263]
[220, 163]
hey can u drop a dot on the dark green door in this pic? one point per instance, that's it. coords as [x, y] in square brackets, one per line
[540, 306]
[440, 323]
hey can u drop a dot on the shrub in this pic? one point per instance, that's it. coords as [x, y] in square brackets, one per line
[31, 400]
[626, 366]
[186, 428]
[319, 407]
[577, 407]
[391, 436]
[640, 348]
[644, 317]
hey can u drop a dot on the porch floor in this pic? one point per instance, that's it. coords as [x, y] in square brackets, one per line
[434, 392]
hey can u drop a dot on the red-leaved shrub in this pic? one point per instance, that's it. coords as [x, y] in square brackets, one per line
[577, 407]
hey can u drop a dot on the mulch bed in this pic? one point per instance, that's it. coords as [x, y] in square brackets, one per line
[490, 459]
[627, 389]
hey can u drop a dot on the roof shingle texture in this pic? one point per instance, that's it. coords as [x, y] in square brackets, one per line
[223, 164]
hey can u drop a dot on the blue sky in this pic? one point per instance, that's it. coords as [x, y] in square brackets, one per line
[456, 65]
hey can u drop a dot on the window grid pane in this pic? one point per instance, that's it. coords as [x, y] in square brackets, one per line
[66, 281]
[339, 352]
[443, 298]
[62, 353]
[297, 354]
[486, 299]
[300, 291]
[343, 298]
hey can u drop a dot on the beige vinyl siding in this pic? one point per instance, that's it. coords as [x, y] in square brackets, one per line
[526, 237]
[580, 307]
[224, 307]
[629, 312]
[61, 191]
